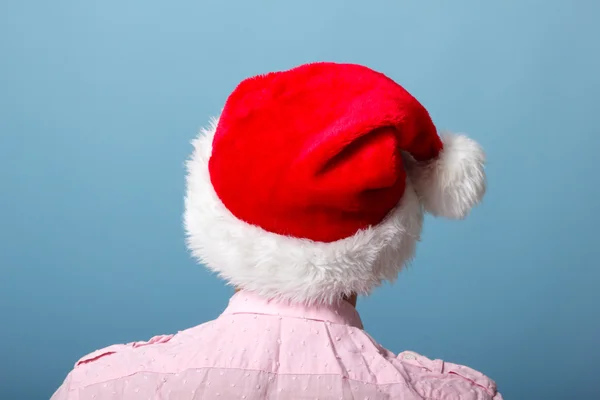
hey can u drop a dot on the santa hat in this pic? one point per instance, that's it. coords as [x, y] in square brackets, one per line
[312, 183]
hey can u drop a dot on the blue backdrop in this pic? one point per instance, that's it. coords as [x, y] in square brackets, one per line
[98, 103]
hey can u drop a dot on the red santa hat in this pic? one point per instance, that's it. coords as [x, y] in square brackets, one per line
[312, 183]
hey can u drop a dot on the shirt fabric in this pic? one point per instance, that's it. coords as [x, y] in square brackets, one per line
[260, 349]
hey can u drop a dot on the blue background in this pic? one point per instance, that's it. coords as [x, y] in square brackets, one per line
[98, 104]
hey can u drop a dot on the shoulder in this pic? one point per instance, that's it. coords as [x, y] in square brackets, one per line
[442, 380]
[111, 363]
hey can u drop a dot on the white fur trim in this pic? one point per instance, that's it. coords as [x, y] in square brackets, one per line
[452, 184]
[284, 267]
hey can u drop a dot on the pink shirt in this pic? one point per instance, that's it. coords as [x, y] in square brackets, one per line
[259, 349]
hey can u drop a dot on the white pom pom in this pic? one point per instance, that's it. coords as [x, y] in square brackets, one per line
[452, 184]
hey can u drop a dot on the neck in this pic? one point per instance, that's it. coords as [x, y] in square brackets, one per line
[349, 299]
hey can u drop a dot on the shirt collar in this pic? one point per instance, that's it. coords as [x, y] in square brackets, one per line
[341, 312]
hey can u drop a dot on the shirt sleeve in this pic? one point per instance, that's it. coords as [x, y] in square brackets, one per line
[440, 380]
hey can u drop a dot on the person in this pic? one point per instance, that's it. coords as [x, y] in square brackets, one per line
[308, 191]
